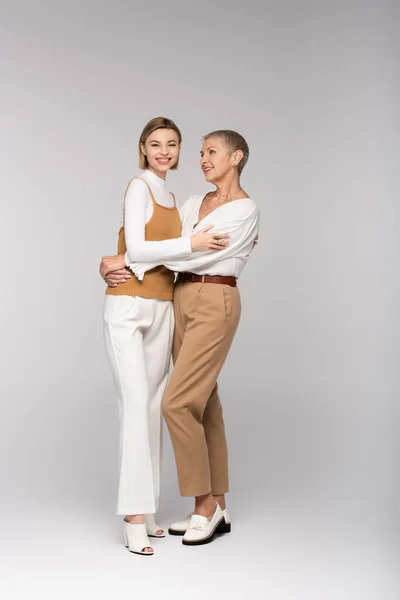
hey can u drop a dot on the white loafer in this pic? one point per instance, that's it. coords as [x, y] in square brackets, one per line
[152, 527]
[136, 539]
[202, 530]
[180, 527]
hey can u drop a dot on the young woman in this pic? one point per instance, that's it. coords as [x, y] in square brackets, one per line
[139, 325]
[207, 311]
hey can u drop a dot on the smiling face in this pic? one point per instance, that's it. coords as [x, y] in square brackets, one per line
[216, 162]
[161, 149]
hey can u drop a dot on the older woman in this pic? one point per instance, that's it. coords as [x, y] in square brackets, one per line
[207, 311]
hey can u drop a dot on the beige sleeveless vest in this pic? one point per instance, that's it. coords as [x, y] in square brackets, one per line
[164, 224]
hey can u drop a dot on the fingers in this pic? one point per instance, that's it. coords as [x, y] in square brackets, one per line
[203, 240]
[108, 262]
[220, 236]
[218, 241]
[113, 280]
[205, 229]
[117, 278]
[104, 267]
[214, 245]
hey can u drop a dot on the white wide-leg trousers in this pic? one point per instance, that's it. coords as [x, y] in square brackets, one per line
[138, 337]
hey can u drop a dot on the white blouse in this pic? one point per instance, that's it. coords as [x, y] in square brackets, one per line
[137, 211]
[239, 218]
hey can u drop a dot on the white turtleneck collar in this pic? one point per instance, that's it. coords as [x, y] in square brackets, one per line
[154, 179]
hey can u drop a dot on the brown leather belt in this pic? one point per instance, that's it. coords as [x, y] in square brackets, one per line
[193, 278]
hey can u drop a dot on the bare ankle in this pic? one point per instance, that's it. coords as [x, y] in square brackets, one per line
[220, 498]
[135, 519]
[205, 505]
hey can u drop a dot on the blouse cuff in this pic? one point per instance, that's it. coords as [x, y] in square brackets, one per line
[139, 269]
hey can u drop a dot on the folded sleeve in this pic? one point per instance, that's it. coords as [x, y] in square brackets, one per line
[138, 248]
[243, 230]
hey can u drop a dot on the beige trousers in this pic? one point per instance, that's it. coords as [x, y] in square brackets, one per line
[206, 319]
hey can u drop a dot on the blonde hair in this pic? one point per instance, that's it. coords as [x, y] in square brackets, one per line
[232, 141]
[157, 123]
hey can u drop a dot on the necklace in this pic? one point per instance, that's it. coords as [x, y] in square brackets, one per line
[229, 196]
[203, 208]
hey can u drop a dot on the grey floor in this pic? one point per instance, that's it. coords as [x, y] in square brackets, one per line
[309, 522]
[63, 550]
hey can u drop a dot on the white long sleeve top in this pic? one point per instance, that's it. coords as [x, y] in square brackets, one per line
[239, 218]
[137, 211]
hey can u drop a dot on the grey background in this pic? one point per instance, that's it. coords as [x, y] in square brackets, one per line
[309, 389]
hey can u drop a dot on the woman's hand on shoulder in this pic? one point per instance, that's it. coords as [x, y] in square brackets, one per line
[204, 240]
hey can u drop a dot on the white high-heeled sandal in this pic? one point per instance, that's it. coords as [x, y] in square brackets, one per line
[152, 527]
[136, 539]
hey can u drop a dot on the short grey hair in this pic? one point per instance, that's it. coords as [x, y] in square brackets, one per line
[232, 141]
